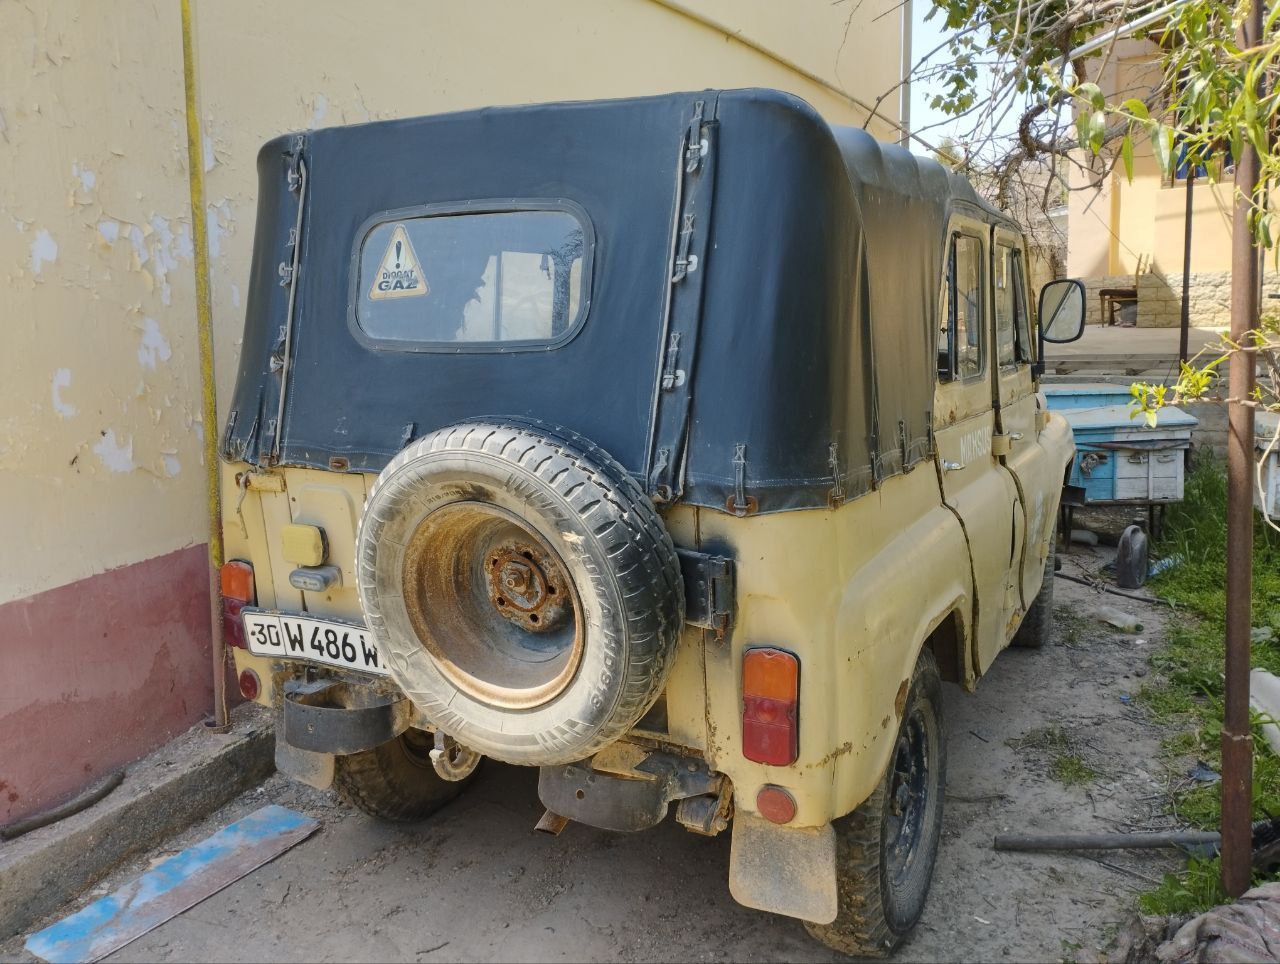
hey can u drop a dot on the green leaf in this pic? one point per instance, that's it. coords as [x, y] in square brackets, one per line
[1126, 154]
[1093, 93]
[1135, 107]
[1162, 146]
[1097, 130]
[1151, 417]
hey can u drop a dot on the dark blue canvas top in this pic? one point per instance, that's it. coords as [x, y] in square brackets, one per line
[807, 366]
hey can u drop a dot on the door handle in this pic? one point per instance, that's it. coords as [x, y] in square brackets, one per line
[952, 466]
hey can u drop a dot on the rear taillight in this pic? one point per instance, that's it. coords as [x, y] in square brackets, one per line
[237, 592]
[770, 706]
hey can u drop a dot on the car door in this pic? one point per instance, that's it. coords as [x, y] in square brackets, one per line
[975, 485]
[1016, 441]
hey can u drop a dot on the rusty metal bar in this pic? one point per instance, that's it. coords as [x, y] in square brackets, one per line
[1104, 841]
[1184, 337]
[1237, 741]
[552, 823]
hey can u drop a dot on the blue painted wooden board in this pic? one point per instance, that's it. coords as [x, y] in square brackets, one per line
[1063, 396]
[172, 886]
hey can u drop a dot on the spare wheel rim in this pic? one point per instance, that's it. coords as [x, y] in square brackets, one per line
[492, 602]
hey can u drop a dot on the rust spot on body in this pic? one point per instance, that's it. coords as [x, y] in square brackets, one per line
[900, 701]
[839, 751]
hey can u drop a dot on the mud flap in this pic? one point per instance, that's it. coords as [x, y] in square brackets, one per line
[306, 766]
[784, 870]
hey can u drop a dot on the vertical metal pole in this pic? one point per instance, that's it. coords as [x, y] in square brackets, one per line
[209, 406]
[904, 95]
[1184, 337]
[1237, 741]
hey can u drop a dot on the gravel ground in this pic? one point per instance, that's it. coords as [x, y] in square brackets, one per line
[475, 883]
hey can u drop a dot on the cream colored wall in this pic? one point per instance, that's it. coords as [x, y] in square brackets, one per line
[1119, 221]
[100, 426]
[99, 394]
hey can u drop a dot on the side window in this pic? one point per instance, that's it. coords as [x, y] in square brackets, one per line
[1007, 306]
[960, 345]
[1022, 315]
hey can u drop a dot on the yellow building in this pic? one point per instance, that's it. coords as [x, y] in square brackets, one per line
[104, 643]
[1126, 234]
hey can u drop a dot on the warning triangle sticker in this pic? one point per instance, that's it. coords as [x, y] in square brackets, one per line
[399, 274]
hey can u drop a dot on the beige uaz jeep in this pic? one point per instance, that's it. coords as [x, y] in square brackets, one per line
[681, 447]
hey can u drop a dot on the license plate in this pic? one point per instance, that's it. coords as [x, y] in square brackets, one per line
[327, 641]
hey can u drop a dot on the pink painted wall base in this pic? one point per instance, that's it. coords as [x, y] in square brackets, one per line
[98, 673]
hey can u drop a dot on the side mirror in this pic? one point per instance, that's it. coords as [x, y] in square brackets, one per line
[1062, 311]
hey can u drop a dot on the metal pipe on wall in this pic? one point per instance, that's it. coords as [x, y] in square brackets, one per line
[209, 406]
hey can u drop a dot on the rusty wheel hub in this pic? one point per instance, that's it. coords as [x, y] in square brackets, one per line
[527, 587]
[493, 604]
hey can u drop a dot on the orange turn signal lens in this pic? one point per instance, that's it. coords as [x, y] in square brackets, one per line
[770, 706]
[237, 581]
[771, 673]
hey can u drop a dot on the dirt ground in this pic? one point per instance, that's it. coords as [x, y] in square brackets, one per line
[476, 883]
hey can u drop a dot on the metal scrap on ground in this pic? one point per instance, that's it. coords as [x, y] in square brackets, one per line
[172, 886]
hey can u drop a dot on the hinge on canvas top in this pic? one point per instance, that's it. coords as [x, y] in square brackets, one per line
[285, 268]
[685, 263]
[696, 147]
[835, 498]
[661, 491]
[672, 377]
[739, 503]
[293, 176]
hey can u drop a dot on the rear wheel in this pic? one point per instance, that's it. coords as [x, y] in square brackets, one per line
[395, 780]
[885, 849]
[1036, 630]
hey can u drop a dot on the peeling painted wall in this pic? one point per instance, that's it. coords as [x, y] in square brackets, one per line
[99, 424]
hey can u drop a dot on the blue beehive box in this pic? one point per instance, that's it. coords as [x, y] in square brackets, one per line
[1119, 458]
[1065, 396]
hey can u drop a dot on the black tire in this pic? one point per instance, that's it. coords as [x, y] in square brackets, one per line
[395, 780]
[453, 516]
[883, 876]
[1036, 630]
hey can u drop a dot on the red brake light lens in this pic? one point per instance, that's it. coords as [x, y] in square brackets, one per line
[250, 685]
[776, 804]
[770, 706]
[236, 578]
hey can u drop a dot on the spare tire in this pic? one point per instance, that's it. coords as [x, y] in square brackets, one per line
[523, 588]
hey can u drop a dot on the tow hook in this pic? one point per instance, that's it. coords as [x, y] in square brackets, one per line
[452, 760]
